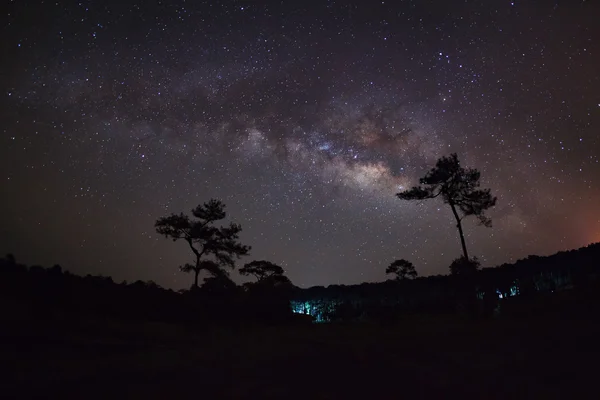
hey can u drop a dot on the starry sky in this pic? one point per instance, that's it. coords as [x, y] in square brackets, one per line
[305, 118]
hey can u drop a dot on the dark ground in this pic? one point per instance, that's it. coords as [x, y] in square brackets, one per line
[549, 357]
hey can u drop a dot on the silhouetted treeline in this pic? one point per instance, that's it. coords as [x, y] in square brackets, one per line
[42, 293]
[488, 291]
[36, 293]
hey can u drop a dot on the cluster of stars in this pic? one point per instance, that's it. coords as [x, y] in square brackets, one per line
[305, 120]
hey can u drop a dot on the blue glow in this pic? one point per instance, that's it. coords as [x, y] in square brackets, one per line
[319, 309]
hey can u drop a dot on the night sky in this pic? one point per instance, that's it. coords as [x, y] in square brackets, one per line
[305, 120]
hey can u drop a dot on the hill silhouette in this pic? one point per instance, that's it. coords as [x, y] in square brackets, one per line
[63, 333]
[41, 293]
[500, 286]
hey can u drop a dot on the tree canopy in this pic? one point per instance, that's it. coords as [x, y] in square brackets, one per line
[213, 247]
[265, 273]
[403, 269]
[458, 187]
[261, 269]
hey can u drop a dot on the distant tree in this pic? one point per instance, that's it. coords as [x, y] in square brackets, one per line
[458, 187]
[268, 299]
[266, 273]
[213, 247]
[462, 266]
[261, 269]
[402, 269]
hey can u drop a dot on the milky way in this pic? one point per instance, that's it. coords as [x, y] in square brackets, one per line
[305, 121]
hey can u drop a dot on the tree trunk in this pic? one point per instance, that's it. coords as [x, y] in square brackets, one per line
[196, 273]
[460, 231]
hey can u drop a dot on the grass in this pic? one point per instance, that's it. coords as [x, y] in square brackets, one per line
[432, 357]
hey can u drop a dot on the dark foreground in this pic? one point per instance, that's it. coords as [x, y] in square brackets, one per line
[549, 357]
